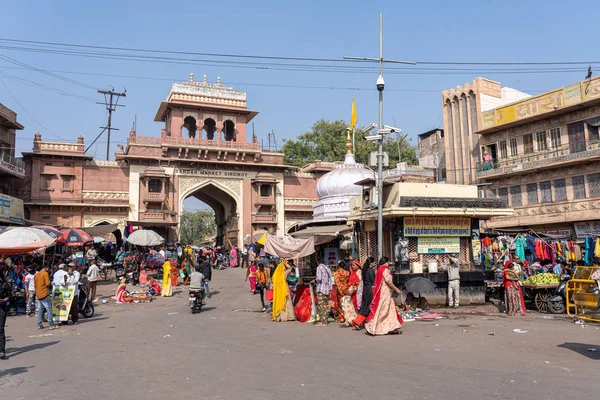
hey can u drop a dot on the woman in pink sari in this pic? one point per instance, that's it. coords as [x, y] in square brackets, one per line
[233, 257]
[251, 276]
[383, 318]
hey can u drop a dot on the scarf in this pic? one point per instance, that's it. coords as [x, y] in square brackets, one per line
[280, 291]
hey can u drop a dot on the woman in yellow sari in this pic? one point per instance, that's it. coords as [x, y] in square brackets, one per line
[167, 288]
[283, 310]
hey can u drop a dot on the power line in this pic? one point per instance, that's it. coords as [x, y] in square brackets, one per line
[266, 57]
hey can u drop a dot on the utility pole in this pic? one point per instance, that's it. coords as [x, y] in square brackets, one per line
[111, 98]
[380, 86]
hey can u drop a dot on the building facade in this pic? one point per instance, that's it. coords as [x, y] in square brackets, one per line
[432, 152]
[462, 110]
[12, 169]
[202, 151]
[546, 152]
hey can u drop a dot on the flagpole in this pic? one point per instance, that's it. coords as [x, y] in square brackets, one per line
[353, 148]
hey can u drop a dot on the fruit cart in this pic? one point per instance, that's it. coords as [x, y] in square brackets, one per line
[539, 289]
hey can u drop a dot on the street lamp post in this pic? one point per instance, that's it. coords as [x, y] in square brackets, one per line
[380, 86]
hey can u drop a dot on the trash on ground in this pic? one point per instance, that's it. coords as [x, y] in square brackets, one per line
[104, 301]
[546, 362]
[41, 335]
[465, 331]
[171, 326]
[173, 313]
[546, 317]
[518, 330]
[166, 336]
[491, 333]
[436, 349]
[592, 350]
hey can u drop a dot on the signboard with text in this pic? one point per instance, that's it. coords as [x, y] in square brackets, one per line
[437, 226]
[438, 245]
[12, 209]
[588, 228]
[62, 297]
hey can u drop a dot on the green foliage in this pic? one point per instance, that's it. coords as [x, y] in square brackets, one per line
[327, 142]
[195, 226]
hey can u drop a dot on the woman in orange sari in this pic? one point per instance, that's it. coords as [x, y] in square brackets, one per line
[383, 319]
[355, 283]
[341, 281]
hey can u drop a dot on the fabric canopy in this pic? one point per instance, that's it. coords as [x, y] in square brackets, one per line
[145, 237]
[326, 230]
[289, 247]
[593, 122]
[100, 230]
[23, 240]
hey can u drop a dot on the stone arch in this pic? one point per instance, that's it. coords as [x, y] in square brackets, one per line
[189, 123]
[229, 130]
[209, 129]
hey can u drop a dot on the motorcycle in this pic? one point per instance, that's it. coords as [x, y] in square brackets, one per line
[221, 262]
[119, 270]
[557, 303]
[85, 306]
[196, 299]
[132, 276]
[104, 267]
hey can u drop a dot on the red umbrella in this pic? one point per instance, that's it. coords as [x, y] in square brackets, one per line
[75, 237]
[53, 232]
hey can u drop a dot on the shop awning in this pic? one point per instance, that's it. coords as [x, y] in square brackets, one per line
[323, 230]
[100, 230]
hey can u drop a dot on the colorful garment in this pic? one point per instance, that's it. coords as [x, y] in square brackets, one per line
[383, 318]
[167, 288]
[252, 277]
[233, 257]
[341, 280]
[303, 308]
[354, 287]
[322, 308]
[520, 244]
[513, 296]
[283, 310]
[122, 296]
[324, 279]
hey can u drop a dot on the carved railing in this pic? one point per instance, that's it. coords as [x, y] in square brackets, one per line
[61, 147]
[267, 218]
[204, 143]
[98, 196]
[12, 165]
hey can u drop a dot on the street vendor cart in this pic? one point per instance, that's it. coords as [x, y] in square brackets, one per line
[539, 294]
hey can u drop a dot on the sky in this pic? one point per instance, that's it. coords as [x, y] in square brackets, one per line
[289, 99]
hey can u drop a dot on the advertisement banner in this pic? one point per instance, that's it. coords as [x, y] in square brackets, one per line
[12, 209]
[438, 245]
[437, 226]
[62, 297]
[588, 228]
[331, 255]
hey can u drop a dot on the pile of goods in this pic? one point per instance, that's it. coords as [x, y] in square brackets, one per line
[542, 279]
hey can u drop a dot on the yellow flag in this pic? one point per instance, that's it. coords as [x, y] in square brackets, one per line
[353, 117]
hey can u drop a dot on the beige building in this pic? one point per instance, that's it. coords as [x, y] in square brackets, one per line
[462, 109]
[546, 153]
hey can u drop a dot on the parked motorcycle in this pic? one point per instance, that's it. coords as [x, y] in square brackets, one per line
[196, 298]
[85, 306]
[557, 303]
[119, 270]
[221, 262]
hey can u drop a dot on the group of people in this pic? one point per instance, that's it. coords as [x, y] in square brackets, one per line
[364, 300]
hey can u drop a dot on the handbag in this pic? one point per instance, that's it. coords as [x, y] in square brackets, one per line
[269, 295]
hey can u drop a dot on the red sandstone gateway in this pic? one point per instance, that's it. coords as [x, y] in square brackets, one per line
[75, 237]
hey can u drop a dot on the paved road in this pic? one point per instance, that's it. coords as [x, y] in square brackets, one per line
[161, 350]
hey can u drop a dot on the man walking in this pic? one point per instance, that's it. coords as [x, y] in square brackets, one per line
[453, 282]
[324, 282]
[93, 275]
[244, 256]
[73, 280]
[206, 271]
[30, 292]
[4, 299]
[44, 299]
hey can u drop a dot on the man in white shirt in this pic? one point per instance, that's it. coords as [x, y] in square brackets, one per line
[162, 252]
[30, 293]
[244, 256]
[73, 280]
[453, 281]
[91, 254]
[60, 276]
[93, 275]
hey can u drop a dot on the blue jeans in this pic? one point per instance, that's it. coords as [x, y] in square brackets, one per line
[45, 304]
[206, 288]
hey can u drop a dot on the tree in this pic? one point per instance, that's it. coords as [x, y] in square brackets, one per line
[327, 142]
[195, 226]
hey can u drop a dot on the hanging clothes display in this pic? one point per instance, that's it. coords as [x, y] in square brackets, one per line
[520, 243]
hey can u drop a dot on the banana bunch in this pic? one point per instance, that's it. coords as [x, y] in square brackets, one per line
[543, 278]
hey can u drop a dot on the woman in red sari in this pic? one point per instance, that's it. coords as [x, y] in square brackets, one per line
[354, 283]
[383, 318]
[513, 296]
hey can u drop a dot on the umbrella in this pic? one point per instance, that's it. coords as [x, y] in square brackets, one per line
[23, 240]
[419, 285]
[260, 237]
[145, 237]
[50, 230]
[98, 239]
[75, 237]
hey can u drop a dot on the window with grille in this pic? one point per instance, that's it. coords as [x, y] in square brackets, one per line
[593, 131]
[578, 187]
[503, 194]
[516, 199]
[540, 140]
[154, 186]
[560, 190]
[503, 150]
[555, 138]
[532, 193]
[513, 147]
[546, 192]
[528, 144]
[593, 181]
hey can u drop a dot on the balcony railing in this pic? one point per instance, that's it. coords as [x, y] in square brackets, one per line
[264, 218]
[204, 143]
[12, 165]
[539, 159]
[157, 216]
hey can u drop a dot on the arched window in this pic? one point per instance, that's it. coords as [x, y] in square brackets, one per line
[229, 130]
[210, 126]
[189, 123]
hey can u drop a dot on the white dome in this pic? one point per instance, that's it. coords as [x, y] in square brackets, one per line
[341, 181]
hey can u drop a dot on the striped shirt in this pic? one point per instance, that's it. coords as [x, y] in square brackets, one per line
[324, 279]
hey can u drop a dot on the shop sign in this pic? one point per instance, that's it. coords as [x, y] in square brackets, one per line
[557, 232]
[588, 228]
[213, 173]
[12, 209]
[331, 255]
[437, 226]
[438, 245]
[62, 297]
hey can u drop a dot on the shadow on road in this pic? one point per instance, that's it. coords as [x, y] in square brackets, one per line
[583, 349]
[88, 320]
[15, 352]
[14, 371]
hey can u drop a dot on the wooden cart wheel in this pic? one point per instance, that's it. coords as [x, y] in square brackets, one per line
[541, 301]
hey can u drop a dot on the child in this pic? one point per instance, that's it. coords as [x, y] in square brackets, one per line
[292, 281]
